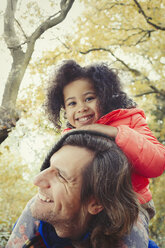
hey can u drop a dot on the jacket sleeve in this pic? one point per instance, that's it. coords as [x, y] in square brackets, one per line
[143, 150]
[24, 229]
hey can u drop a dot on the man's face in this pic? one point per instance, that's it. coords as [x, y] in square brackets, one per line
[58, 200]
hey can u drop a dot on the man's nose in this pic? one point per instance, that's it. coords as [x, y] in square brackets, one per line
[42, 179]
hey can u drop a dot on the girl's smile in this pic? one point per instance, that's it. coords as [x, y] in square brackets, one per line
[81, 103]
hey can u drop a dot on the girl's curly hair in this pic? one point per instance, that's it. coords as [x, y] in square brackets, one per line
[105, 81]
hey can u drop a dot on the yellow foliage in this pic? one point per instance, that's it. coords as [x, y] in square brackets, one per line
[21, 156]
[16, 187]
[158, 222]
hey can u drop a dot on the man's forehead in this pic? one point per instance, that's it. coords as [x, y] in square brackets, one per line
[72, 155]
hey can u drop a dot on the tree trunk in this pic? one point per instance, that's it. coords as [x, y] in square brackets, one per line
[20, 58]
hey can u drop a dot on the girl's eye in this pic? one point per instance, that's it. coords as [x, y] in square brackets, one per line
[90, 98]
[71, 103]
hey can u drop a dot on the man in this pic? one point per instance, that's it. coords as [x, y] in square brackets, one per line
[85, 197]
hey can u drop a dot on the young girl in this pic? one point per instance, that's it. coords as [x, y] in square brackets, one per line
[92, 98]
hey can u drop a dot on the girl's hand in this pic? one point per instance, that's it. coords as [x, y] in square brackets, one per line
[108, 130]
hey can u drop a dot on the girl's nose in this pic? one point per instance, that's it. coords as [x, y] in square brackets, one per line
[42, 179]
[82, 108]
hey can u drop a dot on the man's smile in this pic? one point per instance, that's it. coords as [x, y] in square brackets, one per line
[44, 198]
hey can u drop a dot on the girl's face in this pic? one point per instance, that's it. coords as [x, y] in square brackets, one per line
[81, 103]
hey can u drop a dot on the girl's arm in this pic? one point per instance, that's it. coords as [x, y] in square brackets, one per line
[108, 130]
[143, 150]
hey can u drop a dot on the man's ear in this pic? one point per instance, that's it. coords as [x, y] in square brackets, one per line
[94, 207]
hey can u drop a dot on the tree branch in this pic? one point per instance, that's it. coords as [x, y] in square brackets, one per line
[53, 21]
[147, 18]
[160, 92]
[21, 28]
[10, 35]
[144, 34]
[110, 6]
[67, 47]
[145, 93]
[136, 72]
[153, 91]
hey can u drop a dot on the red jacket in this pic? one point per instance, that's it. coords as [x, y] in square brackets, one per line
[143, 150]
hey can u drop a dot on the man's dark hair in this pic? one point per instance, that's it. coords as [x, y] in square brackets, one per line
[108, 179]
[105, 82]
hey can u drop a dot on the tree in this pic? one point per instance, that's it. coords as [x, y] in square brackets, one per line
[20, 57]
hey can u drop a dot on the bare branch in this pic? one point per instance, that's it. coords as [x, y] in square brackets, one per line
[144, 35]
[161, 92]
[49, 23]
[147, 18]
[112, 6]
[140, 35]
[136, 72]
[10, 35]
[145, 93]
[52, 16]
[21, 28]
[64, 44]
[153, 91]
[52, 21]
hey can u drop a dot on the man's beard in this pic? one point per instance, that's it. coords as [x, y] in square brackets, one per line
[65, 227]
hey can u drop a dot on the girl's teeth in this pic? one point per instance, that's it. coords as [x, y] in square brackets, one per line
[84, 118]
